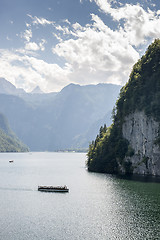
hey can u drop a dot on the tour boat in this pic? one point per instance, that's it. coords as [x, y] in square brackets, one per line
[53, 189]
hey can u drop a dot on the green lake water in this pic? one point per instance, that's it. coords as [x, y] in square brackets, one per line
[98, 206]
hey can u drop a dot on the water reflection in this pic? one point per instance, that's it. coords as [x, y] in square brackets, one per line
[140, 178]
[132, 208]
[98, 206]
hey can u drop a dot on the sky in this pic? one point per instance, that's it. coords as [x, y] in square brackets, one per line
[52, 43]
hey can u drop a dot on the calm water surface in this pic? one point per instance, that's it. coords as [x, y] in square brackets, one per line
[98, 206]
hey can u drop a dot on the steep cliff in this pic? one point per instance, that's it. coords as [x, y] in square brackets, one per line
[141, 132]
[132, 144]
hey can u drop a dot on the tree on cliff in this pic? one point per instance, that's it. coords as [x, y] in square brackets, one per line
[141, 93]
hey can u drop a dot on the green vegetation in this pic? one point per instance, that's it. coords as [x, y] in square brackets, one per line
[141, 93]
[8, 141]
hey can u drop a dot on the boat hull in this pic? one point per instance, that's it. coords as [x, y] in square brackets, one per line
[53, 189]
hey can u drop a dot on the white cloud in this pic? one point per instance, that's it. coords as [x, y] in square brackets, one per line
[66, 21]
[28, 25]
[32, 46]
[92, 53]
[41, 21]
[101, 54]
[17, 73]
[98, 54]
[58, 37]
[9, 39]
[27, 35]
[103, 4]
[27, 72]
[76, 26]
[42, 43]
[138, 23]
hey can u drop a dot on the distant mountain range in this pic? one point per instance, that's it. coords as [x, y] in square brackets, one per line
[37, 90]
[8, 88]
[57, 121]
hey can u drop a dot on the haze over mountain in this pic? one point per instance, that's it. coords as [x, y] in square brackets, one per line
[8, 140]
[8, 88]
[37, 90]
[57, 121]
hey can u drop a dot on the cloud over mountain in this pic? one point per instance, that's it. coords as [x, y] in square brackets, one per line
[103, 48]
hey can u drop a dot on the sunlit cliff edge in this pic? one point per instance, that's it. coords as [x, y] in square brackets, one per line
[132, 144]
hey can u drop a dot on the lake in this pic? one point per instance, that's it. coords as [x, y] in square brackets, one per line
[98, 206]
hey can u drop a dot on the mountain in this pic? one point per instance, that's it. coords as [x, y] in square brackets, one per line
[82, 140]
[132, 144]
[58, 121]
[8, 140]
[35, 97]
[8, 88]
[37, 90]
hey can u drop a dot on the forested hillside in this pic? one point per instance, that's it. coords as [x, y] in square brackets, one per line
[8, 140]
[141, 94]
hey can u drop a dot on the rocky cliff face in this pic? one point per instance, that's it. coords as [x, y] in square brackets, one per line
[141, 132]
[132, 143]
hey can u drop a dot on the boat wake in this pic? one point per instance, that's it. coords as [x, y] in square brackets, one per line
[17, 189]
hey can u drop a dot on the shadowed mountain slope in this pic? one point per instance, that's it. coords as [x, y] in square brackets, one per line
[8, 140]
[49, 122]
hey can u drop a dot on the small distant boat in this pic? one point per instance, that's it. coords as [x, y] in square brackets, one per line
[53, 189]
[11, 161]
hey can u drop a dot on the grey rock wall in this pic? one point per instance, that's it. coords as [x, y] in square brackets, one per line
[141, 132]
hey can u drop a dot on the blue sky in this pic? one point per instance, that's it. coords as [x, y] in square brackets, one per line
[53, 43]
